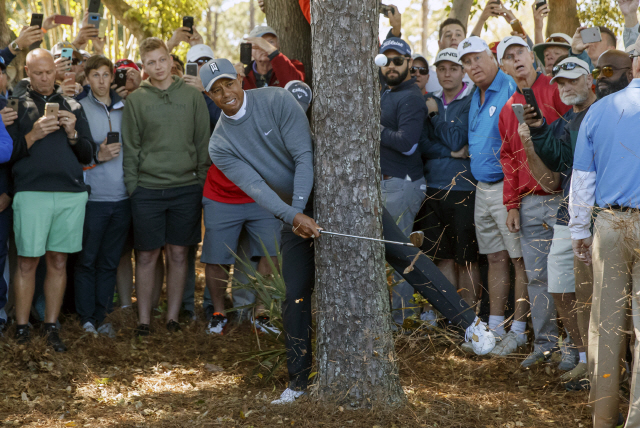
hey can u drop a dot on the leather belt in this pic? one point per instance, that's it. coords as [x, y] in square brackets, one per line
[623, 209]
[386, 177]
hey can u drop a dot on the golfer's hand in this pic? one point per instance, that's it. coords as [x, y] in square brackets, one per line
[305, 227]
[582, 249]
[513, 220]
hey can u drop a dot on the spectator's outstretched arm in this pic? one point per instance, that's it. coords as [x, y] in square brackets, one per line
[491, 9]
[286, 69]
[395, 20]
[629, 9]
[538, 21]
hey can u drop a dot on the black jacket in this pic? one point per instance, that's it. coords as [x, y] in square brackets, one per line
[402, 117]
[51, 164]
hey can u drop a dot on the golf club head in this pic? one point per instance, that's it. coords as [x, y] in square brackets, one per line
[417, 238]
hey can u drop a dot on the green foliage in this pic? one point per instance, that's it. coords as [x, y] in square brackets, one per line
[603, 12]
[161, 18]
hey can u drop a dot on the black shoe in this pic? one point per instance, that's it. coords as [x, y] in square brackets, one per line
[22, 334]
[173, 326]
[50, 331]
[208, 312]
[578, 385]
[143, 330]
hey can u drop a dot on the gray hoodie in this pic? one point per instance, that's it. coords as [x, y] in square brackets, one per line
[106, 179]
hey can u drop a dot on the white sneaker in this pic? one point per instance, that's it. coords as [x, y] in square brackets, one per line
[430, 319]
[217, 324]
[288, 396]
[89, 328]
[481, 337]
[107, 330]
[506, 346]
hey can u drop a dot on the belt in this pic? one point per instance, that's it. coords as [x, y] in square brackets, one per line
[389, 177]
[623, 209]
[495, 182]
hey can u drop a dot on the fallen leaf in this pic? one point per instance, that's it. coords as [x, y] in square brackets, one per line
[70, 424]
[341, 408]
[24, 397]
[606, 375]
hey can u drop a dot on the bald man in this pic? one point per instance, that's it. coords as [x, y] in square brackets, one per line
[612, 73]
[50, 194]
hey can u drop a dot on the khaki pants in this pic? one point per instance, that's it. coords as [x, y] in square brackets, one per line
[616, 276]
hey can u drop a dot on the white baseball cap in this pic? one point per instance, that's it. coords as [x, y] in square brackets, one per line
[570, 68]
[448, 54]
[200, 51]
[510, 41]
[473, 44]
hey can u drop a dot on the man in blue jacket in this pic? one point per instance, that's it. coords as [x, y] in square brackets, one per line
[447, 215]
[403, 184]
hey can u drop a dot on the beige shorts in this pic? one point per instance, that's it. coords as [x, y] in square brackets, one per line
[491, 222]
[561, 278]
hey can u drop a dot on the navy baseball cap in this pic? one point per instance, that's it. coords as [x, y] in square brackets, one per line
[216, 69]
[301, 91]
[396, 44]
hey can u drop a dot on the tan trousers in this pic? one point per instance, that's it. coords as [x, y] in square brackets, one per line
[616, 276]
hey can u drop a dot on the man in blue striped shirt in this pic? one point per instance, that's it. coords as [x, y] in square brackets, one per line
[494, 88]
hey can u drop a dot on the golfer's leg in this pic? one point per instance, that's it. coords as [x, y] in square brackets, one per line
[298, 271]
[425, 278]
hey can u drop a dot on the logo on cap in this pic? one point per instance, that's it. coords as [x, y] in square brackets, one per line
[466, 45]
[304, 93]
[214, 67]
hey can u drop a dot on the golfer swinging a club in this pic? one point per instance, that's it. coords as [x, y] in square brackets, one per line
[262, 143]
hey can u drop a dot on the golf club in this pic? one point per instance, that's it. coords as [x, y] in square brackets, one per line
[416, 238]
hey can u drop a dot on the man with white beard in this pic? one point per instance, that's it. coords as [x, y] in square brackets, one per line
[555, 144]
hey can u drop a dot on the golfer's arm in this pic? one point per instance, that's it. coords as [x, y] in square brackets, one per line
[581, 200]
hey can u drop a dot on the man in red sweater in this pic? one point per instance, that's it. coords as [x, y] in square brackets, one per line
[530, 204]
[269, 67]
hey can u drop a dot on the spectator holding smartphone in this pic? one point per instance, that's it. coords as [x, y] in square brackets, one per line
[200, 54]
[108, 211]
[50, 193]
[590, 52]
[269, 67]
[530, 204]
[165, 166]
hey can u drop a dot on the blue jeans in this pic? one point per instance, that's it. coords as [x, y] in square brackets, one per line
[106, 226]
[5, 229]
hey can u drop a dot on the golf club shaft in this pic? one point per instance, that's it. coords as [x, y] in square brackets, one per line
[406, 244]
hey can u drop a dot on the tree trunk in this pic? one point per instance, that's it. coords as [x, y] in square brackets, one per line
[294, 32]
[119, 8]
[355, 348]
[460, 9]
[252, 16]
[563, 17]
[425, 24]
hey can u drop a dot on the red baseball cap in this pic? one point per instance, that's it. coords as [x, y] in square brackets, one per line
[126, 63]
[493, 47]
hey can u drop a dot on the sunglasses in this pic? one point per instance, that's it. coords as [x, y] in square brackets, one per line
[124, 62]
[556, 40]
[606, 71]
[567, 66]
[422, 70]
[202, 61]
[396, 60]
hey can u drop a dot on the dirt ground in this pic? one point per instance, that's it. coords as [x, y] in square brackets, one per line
[189, 379]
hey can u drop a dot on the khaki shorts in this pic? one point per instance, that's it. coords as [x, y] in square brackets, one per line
[491, 222]
[560, 276]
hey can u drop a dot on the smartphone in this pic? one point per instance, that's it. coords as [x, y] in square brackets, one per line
[540, 3]
[121, 78]
[113, 137]
[518, 109]
[102, 28]
[516, 25]
[531, 100]
[94, 19]
[385, 10]
[63, 19]
[36, 19]
[245, 53]
[187, 21]
[51, 110]
[66, 53]
[591, 35]
[192, 69]
[94, 6]
[13, 104]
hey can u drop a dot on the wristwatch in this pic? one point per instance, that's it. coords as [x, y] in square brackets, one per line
[433, 113]
[14, 46]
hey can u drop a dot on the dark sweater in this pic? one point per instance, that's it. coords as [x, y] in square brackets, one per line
[51, 164]
[555, 145]
[403, 111]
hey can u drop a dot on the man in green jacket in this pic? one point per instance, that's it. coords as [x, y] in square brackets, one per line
[165, 136]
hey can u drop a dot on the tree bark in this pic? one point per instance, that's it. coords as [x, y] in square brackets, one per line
[294, 32]
[119, 8]
[563, 17]
[252, 16]
[425, 24]
[460, 9]
[355, 348]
